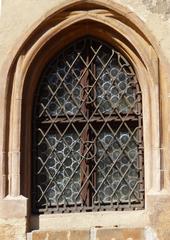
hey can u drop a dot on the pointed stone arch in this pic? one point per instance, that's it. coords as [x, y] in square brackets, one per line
[110, 22]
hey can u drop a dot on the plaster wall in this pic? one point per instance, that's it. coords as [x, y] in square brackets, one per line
[18, 16]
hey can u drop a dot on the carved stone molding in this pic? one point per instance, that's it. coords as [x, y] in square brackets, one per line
[112, 23]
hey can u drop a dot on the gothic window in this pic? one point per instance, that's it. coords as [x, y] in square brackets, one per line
[87, 132]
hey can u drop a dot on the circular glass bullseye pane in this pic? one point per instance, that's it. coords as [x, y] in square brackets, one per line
[108, 139]
[124, 138]
[76, 146]
[52, 171]
[68, 193]
[122, 86]
[106, 86]
[125, 160]
[75, 110]
[114, 71]
[51, 140]
[109, 179]
[116, 154]
[107, 162]
[76, 92]
[68, 172]
[131, 99]
[68, 162]
[115, 100]
[116, 175]
[74, 165]
[125, 190]
[106, 106]
[66, 151]
[129, 91]
[60, 176]
[50, 193]
[122, 76]
[101, 165]
[132, 145]
[77, 178]
[123, 169]
[51, 162]
[116, 145]
[53, 108]
[108, 191]
[69, 140]
[133, 173]
[61, 199]
[60, 146]
[101, 195]
[123, 107]
[105, 78]
[114, 91]
[60, 156]
[76, 156]
[132, 154]
[115, 183]
[68, 107]
[132, 183]
[75, 198]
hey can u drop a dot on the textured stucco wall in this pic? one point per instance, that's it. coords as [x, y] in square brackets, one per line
[19, 15]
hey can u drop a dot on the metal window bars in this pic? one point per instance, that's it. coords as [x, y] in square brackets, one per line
[87, 132]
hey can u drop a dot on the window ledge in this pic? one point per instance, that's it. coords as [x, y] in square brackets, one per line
[88, 220]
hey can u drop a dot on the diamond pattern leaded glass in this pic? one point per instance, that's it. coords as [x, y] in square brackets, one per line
[87, 132]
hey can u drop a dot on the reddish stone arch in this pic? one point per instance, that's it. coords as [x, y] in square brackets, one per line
[110, 22]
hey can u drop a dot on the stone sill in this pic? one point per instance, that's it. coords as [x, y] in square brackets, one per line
[95, 234]
[136, 219]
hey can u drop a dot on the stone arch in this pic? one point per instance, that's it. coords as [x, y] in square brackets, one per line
[110, 22]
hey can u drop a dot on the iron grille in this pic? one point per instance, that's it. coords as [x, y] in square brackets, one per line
[87, 132]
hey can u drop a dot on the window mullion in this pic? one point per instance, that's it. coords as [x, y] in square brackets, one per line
[85, 193]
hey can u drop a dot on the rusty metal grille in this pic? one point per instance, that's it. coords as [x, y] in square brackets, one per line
[87, 132]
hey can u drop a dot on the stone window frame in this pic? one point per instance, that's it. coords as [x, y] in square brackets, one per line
[118, 26]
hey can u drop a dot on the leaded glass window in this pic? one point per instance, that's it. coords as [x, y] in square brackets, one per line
[87, 132]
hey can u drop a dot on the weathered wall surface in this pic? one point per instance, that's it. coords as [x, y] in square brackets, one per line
[160, 7]
[17, 18]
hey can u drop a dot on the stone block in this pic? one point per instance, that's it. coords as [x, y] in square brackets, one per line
[120, 234]
[13, 229]
[61, 235]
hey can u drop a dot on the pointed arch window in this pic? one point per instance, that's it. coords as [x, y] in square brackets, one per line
[87, 132]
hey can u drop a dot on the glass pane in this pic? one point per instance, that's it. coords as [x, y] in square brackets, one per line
[115, 85]
[60, 89]
[59, 168]
[118, 170]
